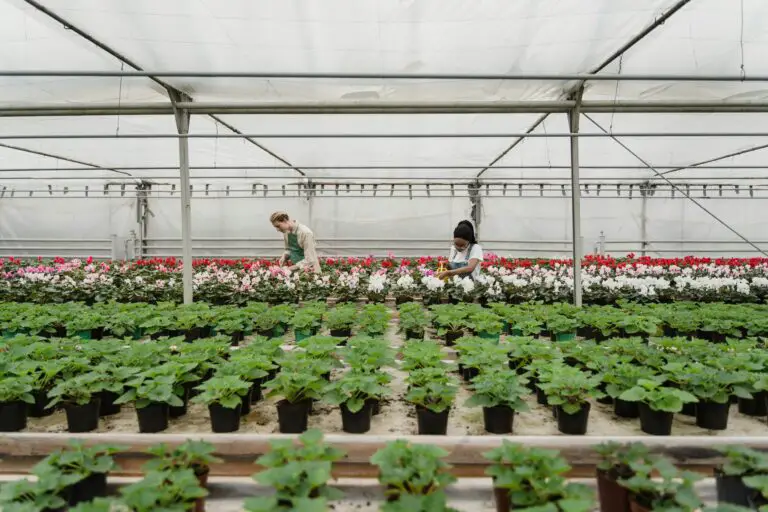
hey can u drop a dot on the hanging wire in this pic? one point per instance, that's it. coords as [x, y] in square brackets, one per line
[616, 93]
[216, 145]
[119, 100]
[741, 42]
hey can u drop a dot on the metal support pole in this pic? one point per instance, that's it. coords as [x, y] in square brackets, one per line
[573, 122]
[477, 205]
[182, 125]
[644, 192]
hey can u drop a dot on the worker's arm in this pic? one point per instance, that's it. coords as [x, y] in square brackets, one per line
[471, 265]
[286, 253]
[310, 252]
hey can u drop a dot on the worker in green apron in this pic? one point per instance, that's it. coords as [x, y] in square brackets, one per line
[465, 255]
[299, 242]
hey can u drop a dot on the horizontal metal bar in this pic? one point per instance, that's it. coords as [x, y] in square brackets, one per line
[390, 76]
[368, 167]
[382, 181]
[99, 136]
[386, 108]
[56, 240]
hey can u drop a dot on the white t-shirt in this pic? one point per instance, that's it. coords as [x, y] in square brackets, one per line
[475, 252]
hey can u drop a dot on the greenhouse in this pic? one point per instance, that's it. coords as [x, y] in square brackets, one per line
[383, 255]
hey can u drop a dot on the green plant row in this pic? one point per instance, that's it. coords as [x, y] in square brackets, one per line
[414, 478]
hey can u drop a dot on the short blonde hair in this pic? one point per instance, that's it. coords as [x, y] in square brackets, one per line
[278, 217]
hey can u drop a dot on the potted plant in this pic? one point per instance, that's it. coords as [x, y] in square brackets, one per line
[434, 502]
[224, 397]
[305, 324]
[486, 325]
[252, 368]
[41, 495]
[740, 462]
[15, 395]
[658, 404]
[152, 393]
[187, 371]
[353, 393]
[266, 324]
[84, 467]
[412, 469]
[296, 389]
[450, 322]
[297, 471]
[195, 455]
[194, 321]
[113, 379]
[621, 377]
[569, 390]
[81, 398]
[418, 355]
[234, 324]
[562, 328]
[659, 485]
[432, 392]
[500, 394]
[714, 389]
[759, 499]
[177, 489]
[616, 464]
[340, 320]
[43, 375]
[86, 324]
[476, 354]
[96, 505]
[413, 320]
[373, 320]
[532, 478]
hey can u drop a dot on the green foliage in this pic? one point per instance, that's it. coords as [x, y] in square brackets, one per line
[498, 387]
[294, 386]
[195, 455]
[657, 396]
[225, 390]
[77, 390]
[373, 320]
[341, 317]
[431, 389]
[15, 389]
[78, 461]
[407, 468]
[163, 490]
[570, 388]
[661, 486]
[744, 461]
[353, 389]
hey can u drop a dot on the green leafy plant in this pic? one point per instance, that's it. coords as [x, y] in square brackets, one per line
[163, 490]
[24, 495]
[434, 502]
[534, 477]
[616, 459]
[717, 385]
[623, 376]
[498, 388]
[659, 485]
[78, 390]
[570, 388]
[418, 355]
[78, 461]
[373, 320]
[435, 392]
[368, 354]
[657, 396]
[408, 468]
[225, 390]
[744, 461]
[294, 386]
[16, 389]
[341, 317]
[191, 454]
[353, 389]
[485, 322]
[151, 387]
[760, 484]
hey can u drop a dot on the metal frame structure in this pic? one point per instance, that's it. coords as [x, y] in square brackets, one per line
[182, 106]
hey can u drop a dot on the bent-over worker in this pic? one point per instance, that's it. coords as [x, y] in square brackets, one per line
[299, 240]
[465, 255]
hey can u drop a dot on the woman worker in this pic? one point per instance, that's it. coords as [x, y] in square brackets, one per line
[299, 243]
[466, 254]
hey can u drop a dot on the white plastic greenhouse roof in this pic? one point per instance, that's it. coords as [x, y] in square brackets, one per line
[726, 38]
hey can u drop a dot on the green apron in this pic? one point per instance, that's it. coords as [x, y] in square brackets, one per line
[296, 253]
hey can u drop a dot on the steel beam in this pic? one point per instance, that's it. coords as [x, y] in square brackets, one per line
[182, 125]
[573, 122]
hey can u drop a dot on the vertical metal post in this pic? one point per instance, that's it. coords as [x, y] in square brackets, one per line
[644, 191]
[182, 125]
[573, 123]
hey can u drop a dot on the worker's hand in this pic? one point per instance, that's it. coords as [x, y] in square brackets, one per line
[282, 260]
[443, 275]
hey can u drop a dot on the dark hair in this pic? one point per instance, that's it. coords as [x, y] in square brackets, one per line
[465, 231]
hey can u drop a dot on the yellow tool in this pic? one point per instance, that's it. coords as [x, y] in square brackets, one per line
[441, 268]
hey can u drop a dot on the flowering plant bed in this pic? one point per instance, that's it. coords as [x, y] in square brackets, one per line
[605, 280]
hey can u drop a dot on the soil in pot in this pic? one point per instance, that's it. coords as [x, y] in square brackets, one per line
[153, 418]
[613, 497]
[712, 415]
[293, 418]
[92, 486]
[356, 422]
[432, 423]
[624, 409]
[731, 489]
[755, 406]
[178, 412]
[573, 424]
[38, 409]
[452, 336]
[83, 418]
[498, 419]
[655, 423]
[108, 407]
[13, 416]
[224, 419]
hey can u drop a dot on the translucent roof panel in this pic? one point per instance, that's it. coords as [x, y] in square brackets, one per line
[364, 36]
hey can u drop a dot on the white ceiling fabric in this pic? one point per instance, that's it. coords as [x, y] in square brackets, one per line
[379, 36]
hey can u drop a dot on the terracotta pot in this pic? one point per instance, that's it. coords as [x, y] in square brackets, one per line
[501, 497]
[634, 506]
[613, 497]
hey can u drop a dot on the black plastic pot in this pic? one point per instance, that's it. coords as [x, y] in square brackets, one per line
[356, 422]
[541, 397]
[755, 406]
[224, 419]
[256, 393]
[267, 333]
[573, 424]
[293, 418]
[624, 409]
[452, 336]
[83, 418]
[92, 486]
[432, 423]
[153, 418]
[655, 423]
[606, 400]
[236, 338]
[689, 410]
[181, 410]
[245, 407]
[375, 405]
[731, 489]
[498, 419]
[613, 497]
[414, 335]
[712, 415]
[13, 416]
[108, 406]
[341, 333]
[470, 373]
[38, 410]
